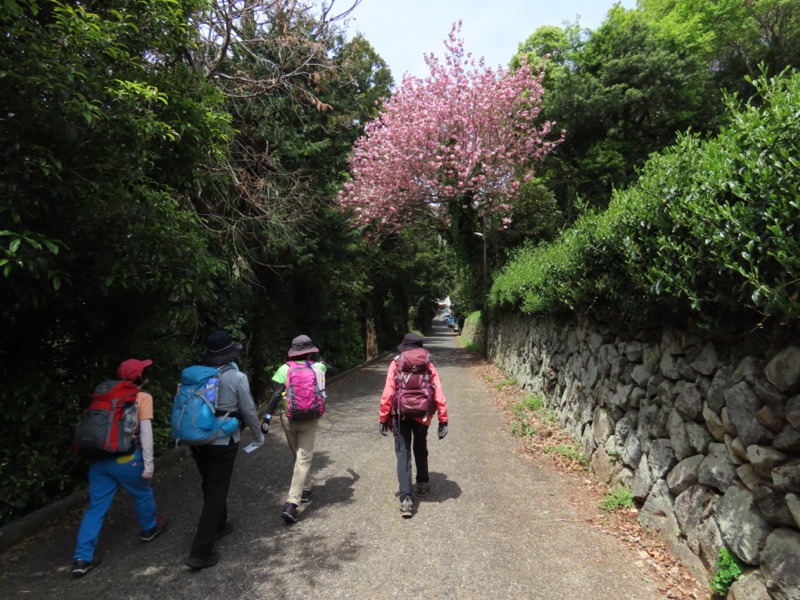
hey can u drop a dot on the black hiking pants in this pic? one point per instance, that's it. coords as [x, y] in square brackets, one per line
[215, 464]
[411, 435]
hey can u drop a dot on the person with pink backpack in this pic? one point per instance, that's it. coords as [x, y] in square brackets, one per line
[411, 396]
[300, 392]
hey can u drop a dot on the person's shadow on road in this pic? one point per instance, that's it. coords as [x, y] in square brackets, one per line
[442, 488]
[335, 490]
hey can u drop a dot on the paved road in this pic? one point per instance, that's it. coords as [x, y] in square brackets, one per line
[497, 524]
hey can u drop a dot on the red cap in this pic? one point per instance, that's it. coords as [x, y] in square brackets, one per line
[132, 368]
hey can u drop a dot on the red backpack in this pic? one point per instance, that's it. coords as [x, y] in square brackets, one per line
[305, 392]
[413, 392]
[107, 426]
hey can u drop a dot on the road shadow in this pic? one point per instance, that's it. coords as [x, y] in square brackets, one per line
[442, 489]
[335, 490]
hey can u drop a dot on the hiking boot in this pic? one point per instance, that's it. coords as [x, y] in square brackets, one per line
[82, 567]
[195, 563]
[406, 507]
[306, 497]
[289, 513]
[228, 529]
[423, 487]
[153, 532]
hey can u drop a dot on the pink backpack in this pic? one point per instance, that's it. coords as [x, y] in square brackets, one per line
[413, 392]
[305, 392]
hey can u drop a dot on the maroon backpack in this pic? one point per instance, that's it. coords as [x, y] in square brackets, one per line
[413, 392]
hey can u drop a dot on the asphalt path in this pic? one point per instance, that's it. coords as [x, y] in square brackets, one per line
[496, 524]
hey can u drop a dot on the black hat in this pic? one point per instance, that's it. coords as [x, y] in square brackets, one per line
[411, 340]
[301, 345]
[220, 349]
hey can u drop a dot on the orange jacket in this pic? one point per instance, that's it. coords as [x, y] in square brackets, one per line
[388, 396]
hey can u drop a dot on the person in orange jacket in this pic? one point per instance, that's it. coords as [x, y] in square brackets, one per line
[412, 373]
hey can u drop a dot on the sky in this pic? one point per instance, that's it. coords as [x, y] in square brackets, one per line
[402, 31]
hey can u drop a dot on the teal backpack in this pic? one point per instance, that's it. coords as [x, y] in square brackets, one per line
[194, 414]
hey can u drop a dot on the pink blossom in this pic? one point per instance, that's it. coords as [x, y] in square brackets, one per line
[465, 131]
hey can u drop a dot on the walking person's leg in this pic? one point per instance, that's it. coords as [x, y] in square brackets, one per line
[129, 475]
[102, 489]
[402, 450]
[301, 436]
[420, 447]
[306, 432]
[217, 465]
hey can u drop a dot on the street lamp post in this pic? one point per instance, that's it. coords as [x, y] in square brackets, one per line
[484, 307]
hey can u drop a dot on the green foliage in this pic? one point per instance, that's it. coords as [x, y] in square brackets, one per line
[506, 383]
[533, 403]
[472, 348]
[626, 89]
[122, 235]
[106, 132]
[620, 92]
[535, 217]
[530, 418]
[709, 231]
[471, 322]
[568, 452]
[617, 499]
[523, 428]
[740, 35]
[525, 414]
[728, 569]
[522, 425]
[298, 265]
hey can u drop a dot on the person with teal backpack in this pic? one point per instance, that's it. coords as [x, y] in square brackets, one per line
[231, 398]
[299, 389]
[195, 420]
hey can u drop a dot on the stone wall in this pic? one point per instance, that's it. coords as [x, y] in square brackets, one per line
[706, 434]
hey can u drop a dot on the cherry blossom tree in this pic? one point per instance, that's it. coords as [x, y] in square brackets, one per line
[464, 137]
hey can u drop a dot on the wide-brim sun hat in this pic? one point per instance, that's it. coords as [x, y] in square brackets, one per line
[221, 349]
[301, 345]
[132, 369]
[411, 340]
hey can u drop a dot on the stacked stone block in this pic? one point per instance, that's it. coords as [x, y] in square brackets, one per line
[705, 433]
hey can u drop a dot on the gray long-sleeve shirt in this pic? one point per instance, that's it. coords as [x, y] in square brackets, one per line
[234, 396]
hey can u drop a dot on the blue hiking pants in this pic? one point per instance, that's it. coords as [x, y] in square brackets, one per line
[105, 477]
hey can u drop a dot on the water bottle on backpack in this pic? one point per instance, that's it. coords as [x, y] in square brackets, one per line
[212, 386]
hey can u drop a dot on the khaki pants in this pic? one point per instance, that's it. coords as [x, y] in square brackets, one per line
[300, 435]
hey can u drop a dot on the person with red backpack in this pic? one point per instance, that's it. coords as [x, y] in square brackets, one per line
[131, 468]
[299, 389]
[411, 396]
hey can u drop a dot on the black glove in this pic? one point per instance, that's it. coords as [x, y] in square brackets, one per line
[442, 430]
[383, 428]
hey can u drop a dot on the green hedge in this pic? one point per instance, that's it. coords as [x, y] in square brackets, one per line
[710, 230]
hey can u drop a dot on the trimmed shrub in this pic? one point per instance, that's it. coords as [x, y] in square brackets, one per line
[710, 229]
